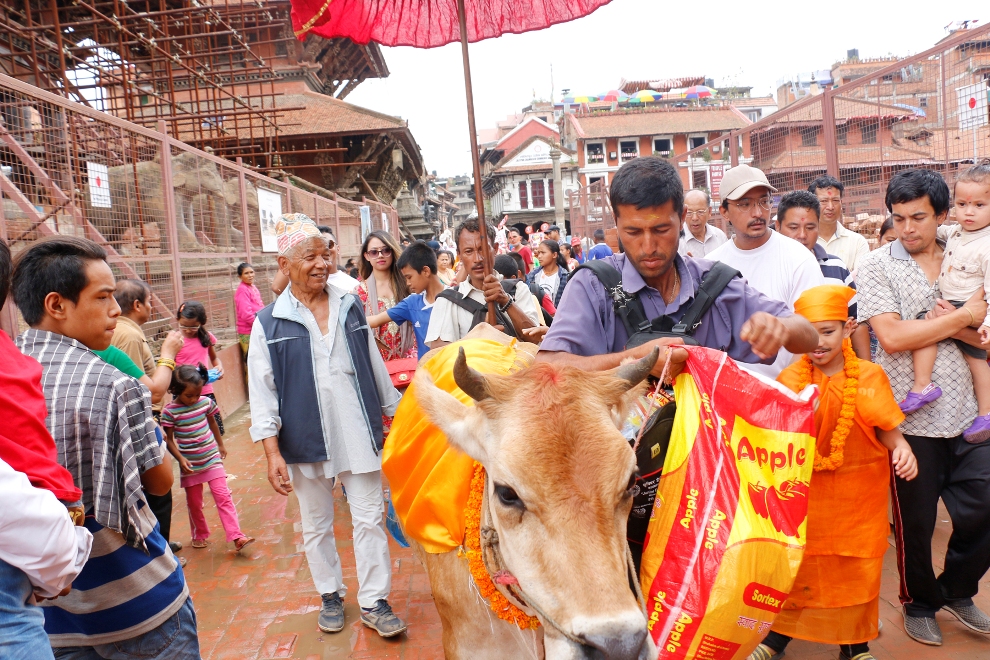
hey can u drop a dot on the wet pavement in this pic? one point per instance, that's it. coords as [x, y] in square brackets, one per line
[261, 603]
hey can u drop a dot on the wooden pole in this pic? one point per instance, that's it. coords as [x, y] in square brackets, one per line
[479, 199]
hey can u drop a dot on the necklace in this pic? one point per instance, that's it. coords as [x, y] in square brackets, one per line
[673, 289]
[837, 443]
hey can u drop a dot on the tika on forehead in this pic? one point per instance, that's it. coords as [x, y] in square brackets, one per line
[292, 229]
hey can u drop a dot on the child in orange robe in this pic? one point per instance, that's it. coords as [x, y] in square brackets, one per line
[835, 597]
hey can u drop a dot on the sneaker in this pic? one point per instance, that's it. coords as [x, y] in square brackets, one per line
[971, 616]
[979, 431]
[914, 402]
[331, 614]
[923, 629]
[383, 619]
[763, 652]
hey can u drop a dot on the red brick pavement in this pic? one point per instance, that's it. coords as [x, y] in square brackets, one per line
[262, 604]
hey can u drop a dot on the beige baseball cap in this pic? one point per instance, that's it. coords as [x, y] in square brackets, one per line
[740, 180]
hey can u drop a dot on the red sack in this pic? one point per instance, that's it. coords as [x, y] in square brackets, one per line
[401, 371]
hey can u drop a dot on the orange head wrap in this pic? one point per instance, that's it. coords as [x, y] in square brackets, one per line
[829, 302]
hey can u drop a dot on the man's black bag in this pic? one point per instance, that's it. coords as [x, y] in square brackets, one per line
[656, 437]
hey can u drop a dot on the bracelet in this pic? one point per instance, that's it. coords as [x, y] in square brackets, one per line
[166, 362]
[972, 316]
[505, 308]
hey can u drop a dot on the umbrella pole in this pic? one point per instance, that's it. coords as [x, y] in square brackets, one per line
[479, 199]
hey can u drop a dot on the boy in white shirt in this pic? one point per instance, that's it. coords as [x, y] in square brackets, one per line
[965, 273]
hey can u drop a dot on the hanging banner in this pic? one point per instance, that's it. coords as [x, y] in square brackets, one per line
[717, 170]
[269, 211]
[99, 185]
[366, 227]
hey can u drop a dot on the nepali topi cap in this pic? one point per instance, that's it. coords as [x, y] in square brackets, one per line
[291, 229]
[829, 302]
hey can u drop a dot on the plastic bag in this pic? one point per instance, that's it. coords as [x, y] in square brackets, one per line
[727, 530]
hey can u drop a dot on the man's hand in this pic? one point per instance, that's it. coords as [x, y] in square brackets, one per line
[173, 342]
[765, 333]
[677, 356]
[494, 292]
[278, 472]
[460, 273]
[535, 334]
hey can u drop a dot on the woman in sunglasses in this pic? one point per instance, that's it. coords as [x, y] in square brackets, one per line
[380, 287]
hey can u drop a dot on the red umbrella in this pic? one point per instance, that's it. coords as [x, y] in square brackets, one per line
[431, 23]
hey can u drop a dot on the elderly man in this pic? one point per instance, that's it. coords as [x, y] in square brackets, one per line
[778, 267]
[699, 238]
[336, 277]
[847, 245]
[318, 389]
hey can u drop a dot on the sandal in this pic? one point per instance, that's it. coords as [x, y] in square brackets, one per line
[763, 652]
[199, 543]
[243, 541]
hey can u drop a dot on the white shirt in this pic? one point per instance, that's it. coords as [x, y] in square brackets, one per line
[549, 283]
[342, 280]
[965, 263]
[846, 245]
[714, 237]
[37, 536]
[448, 322]
[781, 269]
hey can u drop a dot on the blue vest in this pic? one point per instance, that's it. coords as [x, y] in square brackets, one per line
[300, 439]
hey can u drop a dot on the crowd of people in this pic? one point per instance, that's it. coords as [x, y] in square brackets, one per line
[895, 338]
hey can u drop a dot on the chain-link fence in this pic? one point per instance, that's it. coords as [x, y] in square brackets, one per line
[179, 218]
[929, 110]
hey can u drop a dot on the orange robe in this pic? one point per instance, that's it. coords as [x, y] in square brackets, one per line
[835, 599]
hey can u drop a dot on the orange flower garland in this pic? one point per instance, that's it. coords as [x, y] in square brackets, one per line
[500, 605]
[842, 428]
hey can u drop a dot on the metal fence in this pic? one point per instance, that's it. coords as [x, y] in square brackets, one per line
[928, 110]
[179, 218]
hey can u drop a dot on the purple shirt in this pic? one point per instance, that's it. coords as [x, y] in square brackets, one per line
[585, 323]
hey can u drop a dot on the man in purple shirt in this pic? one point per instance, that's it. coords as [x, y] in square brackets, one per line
[648, 201]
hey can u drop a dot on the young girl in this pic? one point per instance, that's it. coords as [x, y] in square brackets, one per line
[552, 274]
[199, 346]
[193, 438]
[965, 272]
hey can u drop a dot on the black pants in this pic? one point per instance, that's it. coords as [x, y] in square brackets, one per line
[161, 506]
[959, 473]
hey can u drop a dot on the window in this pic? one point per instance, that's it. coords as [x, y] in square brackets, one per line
[842, 134]
[809, 136]
[523, 195]
[628, 149]
[868, 130]
[699, 179]
[663, 146]
[923, 102]
[539, 194]
[550, 193]
[596, 153]
[696, 142]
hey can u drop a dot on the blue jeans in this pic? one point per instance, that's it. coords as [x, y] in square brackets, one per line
[22, 626]
[176, 639]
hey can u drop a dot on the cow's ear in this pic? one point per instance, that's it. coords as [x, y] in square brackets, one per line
[465, 426]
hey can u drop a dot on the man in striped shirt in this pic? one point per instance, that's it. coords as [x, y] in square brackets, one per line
[797, 218]
[131, 597]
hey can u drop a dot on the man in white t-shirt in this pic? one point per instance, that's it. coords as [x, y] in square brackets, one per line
[778, 267]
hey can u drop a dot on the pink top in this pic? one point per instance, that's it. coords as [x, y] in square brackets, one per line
[193, 352]
[247, 303]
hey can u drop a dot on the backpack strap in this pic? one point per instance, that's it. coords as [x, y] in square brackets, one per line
[711, 287]
[479, 311]
[627, 305]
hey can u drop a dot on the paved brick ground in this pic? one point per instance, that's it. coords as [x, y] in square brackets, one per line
[262, 604]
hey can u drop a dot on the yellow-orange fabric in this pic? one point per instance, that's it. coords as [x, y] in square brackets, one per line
[430, 481]
[828, 302]
[834, 598]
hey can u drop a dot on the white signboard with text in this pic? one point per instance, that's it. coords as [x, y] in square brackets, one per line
[972, 106]
[99, 185]
[269, 211]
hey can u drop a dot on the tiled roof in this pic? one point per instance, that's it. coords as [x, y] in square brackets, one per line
[845, 108]
[325, 114]
[657, 121]
[752, 101]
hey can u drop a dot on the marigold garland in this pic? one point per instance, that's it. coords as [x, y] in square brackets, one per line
[847, 413]
[500, 605]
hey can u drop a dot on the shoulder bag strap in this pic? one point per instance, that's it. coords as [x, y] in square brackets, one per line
[711, 287]
[627, 306]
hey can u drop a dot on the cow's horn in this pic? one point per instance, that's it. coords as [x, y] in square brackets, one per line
[472, 382]
[635, 372]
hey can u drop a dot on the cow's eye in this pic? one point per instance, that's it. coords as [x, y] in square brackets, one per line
[508, 497]
[632, 490]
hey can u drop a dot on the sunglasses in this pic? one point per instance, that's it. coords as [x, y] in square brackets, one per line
[379, 252]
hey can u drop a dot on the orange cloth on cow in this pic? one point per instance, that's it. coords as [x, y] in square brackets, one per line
[835, 595]
[429, 480]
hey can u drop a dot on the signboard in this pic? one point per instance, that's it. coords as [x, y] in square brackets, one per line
[99, 185]
[366, 227]
[717, 170]
[972, 106]
[269, 211]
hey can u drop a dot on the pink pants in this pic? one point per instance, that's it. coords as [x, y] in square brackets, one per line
[225, 505]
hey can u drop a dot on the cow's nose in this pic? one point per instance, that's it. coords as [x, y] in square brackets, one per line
[618, 637]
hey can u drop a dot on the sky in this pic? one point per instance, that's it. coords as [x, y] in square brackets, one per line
[735, 43]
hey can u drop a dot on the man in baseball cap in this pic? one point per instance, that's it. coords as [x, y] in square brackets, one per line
[776, 266]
